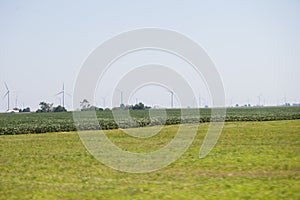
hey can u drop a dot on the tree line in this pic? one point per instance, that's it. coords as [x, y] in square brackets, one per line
[86, 106]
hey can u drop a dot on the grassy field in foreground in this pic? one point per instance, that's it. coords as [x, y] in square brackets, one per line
[252, 160]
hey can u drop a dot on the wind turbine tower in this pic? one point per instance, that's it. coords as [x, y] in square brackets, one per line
[172, 98]
[103, 99]
[259, 99]
[63, 95]
[16, 102]
[121, 96]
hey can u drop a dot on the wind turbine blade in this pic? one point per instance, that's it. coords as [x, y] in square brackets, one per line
[6, 86]
[69, 94]
[59, 93]
[5, 94]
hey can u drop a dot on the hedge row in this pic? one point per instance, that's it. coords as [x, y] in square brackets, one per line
[61, 125]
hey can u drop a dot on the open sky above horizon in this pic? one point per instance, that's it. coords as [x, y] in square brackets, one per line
[255, 45]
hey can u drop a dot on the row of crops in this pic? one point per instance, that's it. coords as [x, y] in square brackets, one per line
[23, 123]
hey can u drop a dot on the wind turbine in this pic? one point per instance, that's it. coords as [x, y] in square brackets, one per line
[259, 99]
[63, 95]
[199, 101]
[121, 96]
[172, 97]
[16, 102]
[202, 101]
[103, 99]
[7, 95]
[285, 102]
[62, 92]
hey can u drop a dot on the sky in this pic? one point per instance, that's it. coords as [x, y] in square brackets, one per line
[255, 45]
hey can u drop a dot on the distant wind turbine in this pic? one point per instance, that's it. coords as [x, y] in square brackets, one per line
[259, 99]
[7, 95]
[121, 96]
[63, 95]
[172, 97]
[103, 99]
[16, 102]
[199, 101]
[285, 101]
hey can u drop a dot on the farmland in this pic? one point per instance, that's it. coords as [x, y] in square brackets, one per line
[252, 160]
[54, 122]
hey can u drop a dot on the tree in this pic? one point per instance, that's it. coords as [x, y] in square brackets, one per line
[25, 110]
[85, 105]
[59, 109]
[122, 106]
[93, 108]
[45, 107]
[140, 106]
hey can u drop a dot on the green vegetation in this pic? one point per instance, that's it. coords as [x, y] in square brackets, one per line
[48, 107]
[54, 122]
[252, 160]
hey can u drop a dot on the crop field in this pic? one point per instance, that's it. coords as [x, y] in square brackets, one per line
[55, 122]
[252, 160]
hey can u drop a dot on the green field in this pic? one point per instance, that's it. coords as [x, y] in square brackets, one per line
[55, 122]
[252, 160]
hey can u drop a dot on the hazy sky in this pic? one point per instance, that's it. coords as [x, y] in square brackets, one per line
[254, 44]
